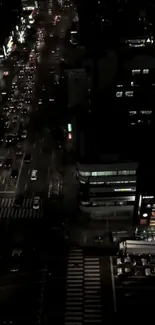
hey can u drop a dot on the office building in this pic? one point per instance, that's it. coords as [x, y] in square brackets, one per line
[106, 171]
[77, 87]
[9, 16]
[29, 4]
[135, 89]
[108, 189]
[145, 213]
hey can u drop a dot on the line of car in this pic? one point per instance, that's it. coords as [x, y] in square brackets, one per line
[15, 116]
[135, 266]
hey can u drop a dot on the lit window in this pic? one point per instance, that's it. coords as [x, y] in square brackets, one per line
[129, 93]
[126, 172]
[119, 93]
[145, 71]
[124, 189]
[104, 173]
[86, 174]
[132, 83]
[119, 86]
[136, 71]
[146, 112]
[132, 112]
[94, 173]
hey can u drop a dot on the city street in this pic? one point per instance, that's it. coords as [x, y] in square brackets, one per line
[133, 284]
[44, 157]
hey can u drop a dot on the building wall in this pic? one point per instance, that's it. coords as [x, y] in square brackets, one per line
[108, 189]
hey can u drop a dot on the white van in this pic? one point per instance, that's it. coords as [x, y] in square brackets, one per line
[34, 175]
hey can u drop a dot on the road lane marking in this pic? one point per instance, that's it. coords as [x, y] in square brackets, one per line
[25, 187]
[5, 189]
[7, 192]
[20, 170]
[113, 284]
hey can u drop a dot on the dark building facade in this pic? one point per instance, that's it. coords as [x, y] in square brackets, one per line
[9, 13]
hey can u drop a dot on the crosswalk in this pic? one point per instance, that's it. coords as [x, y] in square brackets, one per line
[26, 211]
[83, 296]
[92, 291]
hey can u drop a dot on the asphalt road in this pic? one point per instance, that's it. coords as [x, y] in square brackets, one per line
[133, 286]
[44, 155]
[39, 144]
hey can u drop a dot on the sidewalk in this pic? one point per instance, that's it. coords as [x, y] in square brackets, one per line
[70, 187]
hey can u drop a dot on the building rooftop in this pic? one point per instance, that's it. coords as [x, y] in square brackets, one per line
[99, 136]
[147, 178]
[142, 61]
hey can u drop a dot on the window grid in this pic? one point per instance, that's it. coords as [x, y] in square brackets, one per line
[108, 173]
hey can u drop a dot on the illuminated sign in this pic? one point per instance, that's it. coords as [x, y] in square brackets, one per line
[21, 37]
[28, 8]
[69, 127]
[9, 45]
[5, 73]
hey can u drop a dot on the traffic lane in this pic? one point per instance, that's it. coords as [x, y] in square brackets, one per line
[23, 182]
[49, 26]
[15, 72]
[41, 162]
[7, 183]
[38, 186]
[50, 45]
[132, 285]
[12, 73]
[39, 157]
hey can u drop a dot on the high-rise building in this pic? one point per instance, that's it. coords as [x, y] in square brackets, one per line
[9, 15]
[29, 4]
[106, 170]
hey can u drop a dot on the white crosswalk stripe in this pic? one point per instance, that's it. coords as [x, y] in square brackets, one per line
[83, 292]
[92, 295]
[26, 211]
[74, 288]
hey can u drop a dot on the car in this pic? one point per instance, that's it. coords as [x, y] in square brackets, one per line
[127, 259]
[7, 125]
[36, 202]
[98, 239]
[27, 158]
[15, 119]
[147, 271]
[24, 134]
[9, 139]
[8, 163]
[28, 101]
[19, 145]
[14, 173]
[20, 105]
[119, 271]
[24, 111]
[119, 261]
[14, 267]
[18, 153]
[18, 201]
[34, 175]
[5, 108]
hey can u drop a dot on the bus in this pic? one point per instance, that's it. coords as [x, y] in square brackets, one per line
[137, 247]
